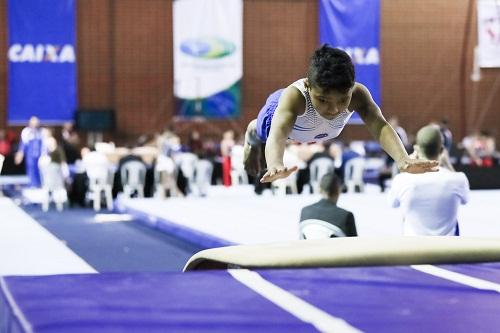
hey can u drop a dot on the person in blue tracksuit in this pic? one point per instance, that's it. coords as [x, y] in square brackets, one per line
[30, 149]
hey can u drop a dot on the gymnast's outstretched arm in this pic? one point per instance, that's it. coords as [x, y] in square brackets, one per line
[382, 131]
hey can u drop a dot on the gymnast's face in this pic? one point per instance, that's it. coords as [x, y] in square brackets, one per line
[329, 103]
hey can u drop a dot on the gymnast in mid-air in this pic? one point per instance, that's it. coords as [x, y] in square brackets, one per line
[317, 108]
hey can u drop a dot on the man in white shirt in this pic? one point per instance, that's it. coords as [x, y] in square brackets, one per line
[429, 201]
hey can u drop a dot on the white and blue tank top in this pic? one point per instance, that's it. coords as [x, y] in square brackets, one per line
[311, 126]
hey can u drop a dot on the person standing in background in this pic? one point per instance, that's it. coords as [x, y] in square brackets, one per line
[226, 145]
[447, 135]
[400, 131]
[30, 149]
[70, 141]
[5, 144]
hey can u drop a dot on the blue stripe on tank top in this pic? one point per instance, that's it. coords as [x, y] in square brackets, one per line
[302, 127]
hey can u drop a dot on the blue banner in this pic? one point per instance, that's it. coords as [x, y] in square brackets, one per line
[354, 26]
[42, 61]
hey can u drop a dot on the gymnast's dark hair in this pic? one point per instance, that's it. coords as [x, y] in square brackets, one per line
[331, 69]
[330, 184]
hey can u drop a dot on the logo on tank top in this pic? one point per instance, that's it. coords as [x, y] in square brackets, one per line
[321, 136]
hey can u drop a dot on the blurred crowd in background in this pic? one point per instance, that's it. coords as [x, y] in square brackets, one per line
[166, 164]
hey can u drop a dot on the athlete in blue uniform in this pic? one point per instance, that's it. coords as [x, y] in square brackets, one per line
[30, 149]
[317, 108]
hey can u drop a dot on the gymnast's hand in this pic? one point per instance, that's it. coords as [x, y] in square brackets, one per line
[277, 172]
[417, 165]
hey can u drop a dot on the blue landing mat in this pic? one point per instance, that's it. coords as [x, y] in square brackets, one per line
[370, 299]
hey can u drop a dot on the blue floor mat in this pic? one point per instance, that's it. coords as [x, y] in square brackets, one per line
[114, 246]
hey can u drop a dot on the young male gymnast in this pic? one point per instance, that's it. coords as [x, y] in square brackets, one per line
[317, 108]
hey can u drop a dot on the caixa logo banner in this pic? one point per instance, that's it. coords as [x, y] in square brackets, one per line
[41, 53]
[42, 61]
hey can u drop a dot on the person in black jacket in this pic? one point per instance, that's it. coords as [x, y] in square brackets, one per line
[326, 209]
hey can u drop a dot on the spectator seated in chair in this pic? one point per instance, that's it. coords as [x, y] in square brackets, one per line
[327, 210]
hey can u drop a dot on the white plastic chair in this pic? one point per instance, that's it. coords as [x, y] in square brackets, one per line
[372, 169]
[238, 174]
[187, 164]
[318, 168]
[318, 229]
[53, 187]
[165, 177]
[133, 177]
[280, 186]
[100, 179]
[203, 176]
[353, 174]
[104, 147]
[358, 146]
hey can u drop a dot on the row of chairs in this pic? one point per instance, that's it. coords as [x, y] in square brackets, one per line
[133, 176]
[198, 173]
[355, 172]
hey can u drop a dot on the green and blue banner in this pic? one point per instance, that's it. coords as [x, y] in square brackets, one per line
[354, 26]
[41, 60]
[208, 60]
